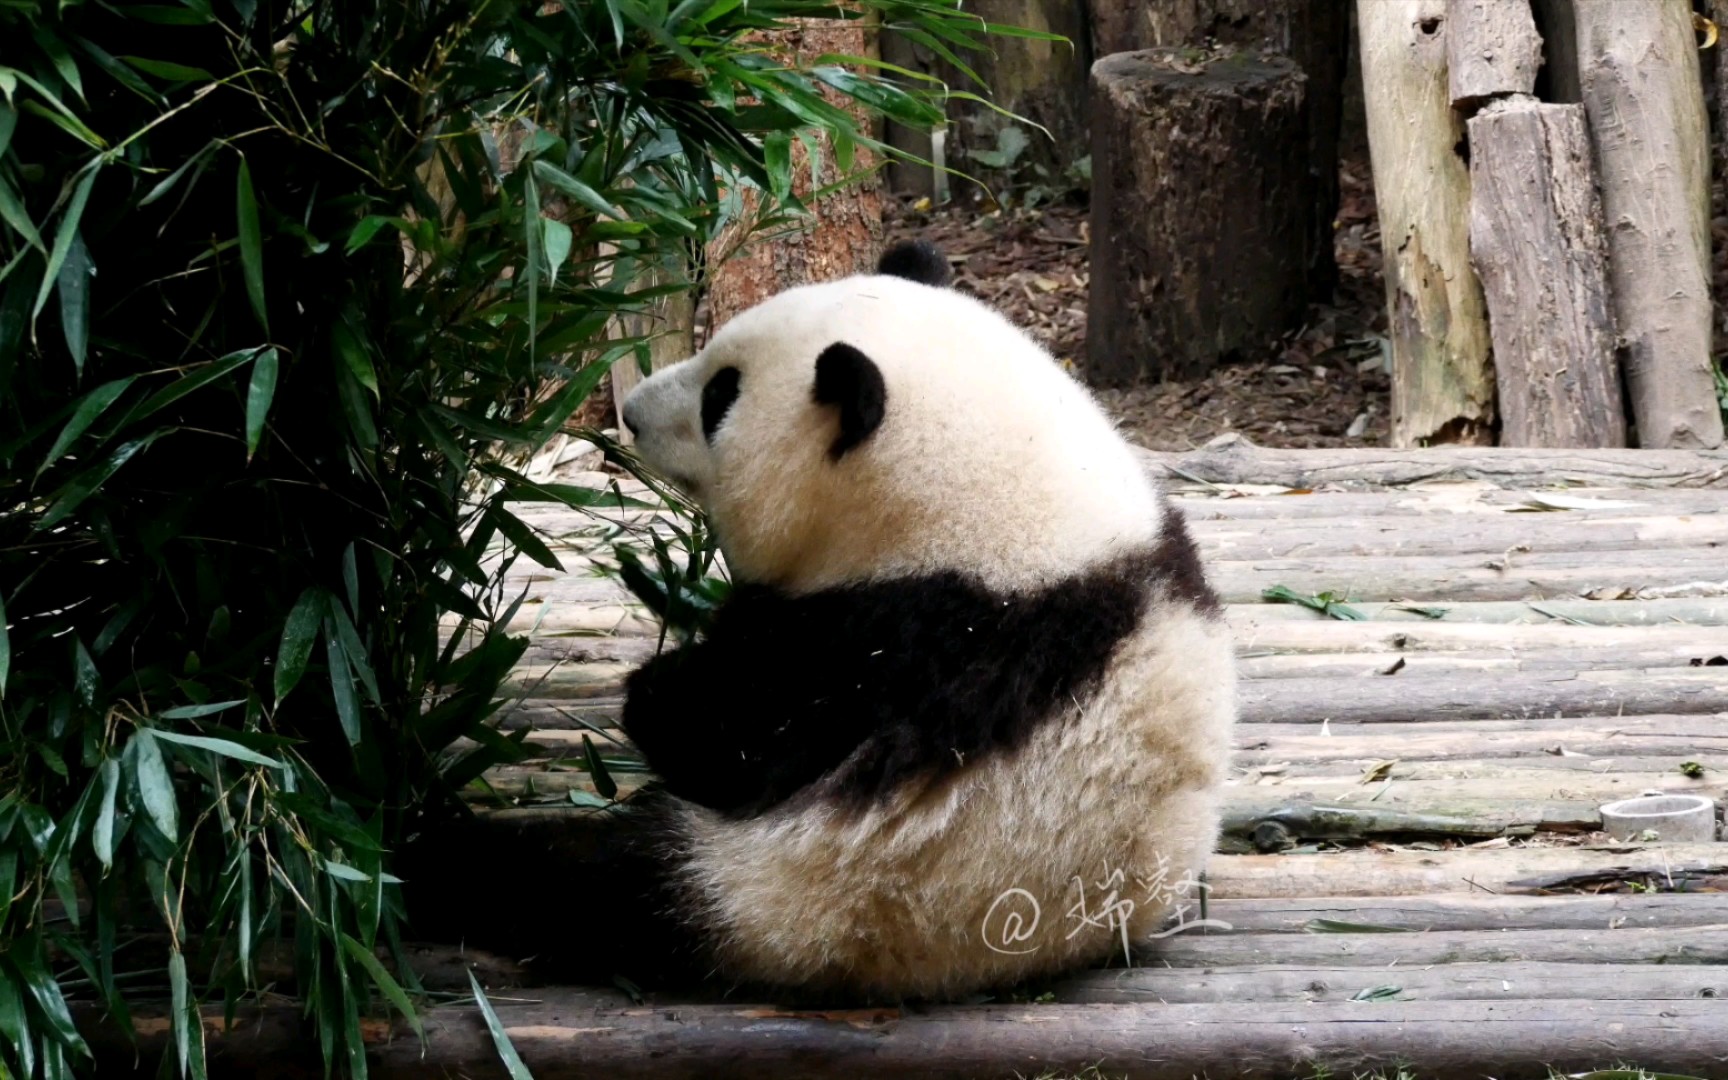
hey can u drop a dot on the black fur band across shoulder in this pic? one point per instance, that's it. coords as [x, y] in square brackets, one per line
[888, 681]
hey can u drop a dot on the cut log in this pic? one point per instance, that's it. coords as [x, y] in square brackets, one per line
[1313, 33]
[1258, 664]
[1442, 382]
[1444, 697]
[1554, 532]
[1638, 67]
[1238, 461]
[1200, 200]
[1445, 501]
[1492, 51]
[1638, 945]
[1441, 636]
[564, 1035]
[1537, 242]
[1623, 739]
[1508, 981]
[1492, 871]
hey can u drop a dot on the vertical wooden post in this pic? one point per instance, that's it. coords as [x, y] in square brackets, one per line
[1638, 68]
[1442, 382]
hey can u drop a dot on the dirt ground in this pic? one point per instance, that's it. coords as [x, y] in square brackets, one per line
[1326, 385]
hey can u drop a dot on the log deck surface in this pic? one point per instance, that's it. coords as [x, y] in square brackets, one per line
[1411, 867]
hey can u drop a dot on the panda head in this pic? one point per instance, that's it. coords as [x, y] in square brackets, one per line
[883, 426]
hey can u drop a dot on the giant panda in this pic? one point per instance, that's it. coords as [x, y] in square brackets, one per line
[964, 718]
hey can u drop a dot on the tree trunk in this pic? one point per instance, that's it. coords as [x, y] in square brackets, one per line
[1536, 239]
[1042, 81]
[1638, 68]
[842, 235]
[1200, 202]
[1442, 381]
[1492, 50]
[1313, 33]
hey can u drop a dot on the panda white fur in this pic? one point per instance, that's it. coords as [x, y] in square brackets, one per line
[970, 672]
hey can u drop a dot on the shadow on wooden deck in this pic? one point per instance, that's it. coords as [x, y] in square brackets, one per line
[1412, 867]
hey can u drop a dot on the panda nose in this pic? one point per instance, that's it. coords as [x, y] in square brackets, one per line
[631, 415]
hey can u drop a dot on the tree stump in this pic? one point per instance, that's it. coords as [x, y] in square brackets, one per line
[1537, 241]
[1201, 195]
[1314, 33]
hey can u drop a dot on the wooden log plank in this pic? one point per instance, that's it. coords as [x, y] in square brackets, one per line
[1704, 611]
[1414, 873]
[1629, 945]
[1515, 575]
[1442, 382]
[1562, 769]
[1259, 819]
[1537, 241]
[1475, 911]
[1444, 499]
[1545, 533]
[1507, 981]
[1262, 664]
[1602, 693]
[1594, 737]
[565, 1035]
[1447, 636]
[1238, 461]
[1556, 802]
[1492, 50]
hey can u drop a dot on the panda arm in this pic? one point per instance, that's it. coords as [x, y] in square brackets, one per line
[741, 720]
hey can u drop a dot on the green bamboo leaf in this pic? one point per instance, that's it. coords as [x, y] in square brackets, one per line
[556, 238]
[194, 712]
[224, 747]
[345, 872]
[351, 578]
[354, 650]
[166, 185]
[74, 286]
[5, 648]
[155, 785]
[603, 782]
[58, 113]
[26, 961]
[15, 1022]
[186, 384]
[69, 220]
[179, 1000]
[777, 158]
[172, 72]
[389, 987]
[353, 353]
[517, 532]
[342, 684]
[64, 65]
[12, 212]
[575, 189]
[90, 407]
[258, 397]
[8, 120]
[251, 243]
[531, 230]
[367, 228]
[86, 680]
[500, 1038]
[102, 834]
[73, 493]
[299, 631]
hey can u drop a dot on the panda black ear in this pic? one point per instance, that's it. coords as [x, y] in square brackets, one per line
[850, 381]
[916, 260]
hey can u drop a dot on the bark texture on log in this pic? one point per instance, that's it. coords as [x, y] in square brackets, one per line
[1537, 242]
[1200, 203]
[1492, 50]
[1446, 697]
[1313, 33]
[1238, 461]
[561, 1034]
[844, 232]
[1043, 81]
[1638, 68]
[1442, 381]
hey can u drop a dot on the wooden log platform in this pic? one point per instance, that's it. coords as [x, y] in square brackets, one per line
[1412, 872]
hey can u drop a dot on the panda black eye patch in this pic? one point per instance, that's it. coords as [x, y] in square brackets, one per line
[717, 399]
